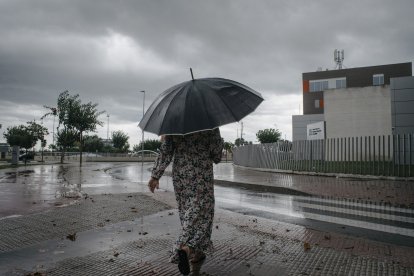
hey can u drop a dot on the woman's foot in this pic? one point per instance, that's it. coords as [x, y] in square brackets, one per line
[198, 256]
[183, 260]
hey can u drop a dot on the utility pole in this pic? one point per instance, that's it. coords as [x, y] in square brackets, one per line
[241, 131]
[142, 141]
[107, 132]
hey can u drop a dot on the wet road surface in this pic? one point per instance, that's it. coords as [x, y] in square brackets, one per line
[381, 223]
[35, 188]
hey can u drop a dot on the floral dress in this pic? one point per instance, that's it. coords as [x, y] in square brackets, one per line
[193, 180]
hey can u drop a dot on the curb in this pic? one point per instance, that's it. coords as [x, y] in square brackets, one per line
[262, 188]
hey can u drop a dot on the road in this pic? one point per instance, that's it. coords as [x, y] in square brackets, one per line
[36, 188]
[380, 223]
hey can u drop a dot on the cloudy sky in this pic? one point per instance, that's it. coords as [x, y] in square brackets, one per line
[107, 51]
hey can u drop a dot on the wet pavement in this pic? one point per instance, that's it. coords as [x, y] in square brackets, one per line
[304, 229]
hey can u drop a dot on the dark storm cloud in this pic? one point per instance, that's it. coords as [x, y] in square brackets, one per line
[107, 51]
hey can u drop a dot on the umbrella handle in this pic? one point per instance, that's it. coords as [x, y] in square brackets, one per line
[191, 70]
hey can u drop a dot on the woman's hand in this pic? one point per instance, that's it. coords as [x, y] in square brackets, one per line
[153, 183]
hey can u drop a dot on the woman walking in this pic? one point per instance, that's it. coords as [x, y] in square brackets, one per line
[193, 156]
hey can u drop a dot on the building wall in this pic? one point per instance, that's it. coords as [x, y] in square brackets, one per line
[309, 103]
[353, 112]
[299, 123]
[362, 76]
[355, 78]
[402, 105]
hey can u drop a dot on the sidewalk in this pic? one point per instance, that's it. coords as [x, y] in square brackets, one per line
[131, 233]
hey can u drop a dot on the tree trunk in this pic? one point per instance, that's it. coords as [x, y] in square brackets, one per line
[62, 155]
[80, 149]
[25, 158]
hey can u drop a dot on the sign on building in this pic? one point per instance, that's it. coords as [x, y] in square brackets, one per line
[315, 131]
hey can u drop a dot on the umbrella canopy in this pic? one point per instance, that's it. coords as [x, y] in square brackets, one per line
[199, 104]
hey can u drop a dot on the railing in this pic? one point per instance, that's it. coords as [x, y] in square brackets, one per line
[384, 155]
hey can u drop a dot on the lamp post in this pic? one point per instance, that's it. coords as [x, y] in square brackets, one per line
[107, 135]
[107, 132]
[142, 141]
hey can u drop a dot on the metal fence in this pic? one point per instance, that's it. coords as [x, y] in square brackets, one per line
[384, 155]
[96, 156]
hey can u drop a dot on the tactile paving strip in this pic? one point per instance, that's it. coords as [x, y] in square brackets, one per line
[90, 213]
[237, 252]
[243, 246]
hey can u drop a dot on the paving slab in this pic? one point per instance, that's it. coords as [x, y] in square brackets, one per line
[139, 244]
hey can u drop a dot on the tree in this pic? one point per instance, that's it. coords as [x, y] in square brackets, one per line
[25, 136]
[92, 143]
[52, 112]
[120, 141]
[86, 120]
[75, 119]
[228, 147]
[268, 135]
[17, 136]
[65, 139]
[151, 144]
[240, 142]
[38, 131]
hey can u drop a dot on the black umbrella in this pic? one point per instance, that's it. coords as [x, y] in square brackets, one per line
[199, 104]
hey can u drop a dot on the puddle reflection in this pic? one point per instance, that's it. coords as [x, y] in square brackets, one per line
[28, 189]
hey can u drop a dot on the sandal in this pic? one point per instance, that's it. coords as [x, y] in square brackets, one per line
[183, 261]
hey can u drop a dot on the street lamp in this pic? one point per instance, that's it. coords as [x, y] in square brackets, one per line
[107, 127]
[142, 141]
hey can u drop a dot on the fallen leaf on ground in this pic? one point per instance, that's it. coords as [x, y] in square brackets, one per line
[306, 246]
[36, 274]
[116, 254]
[71, 237]
[327, 237]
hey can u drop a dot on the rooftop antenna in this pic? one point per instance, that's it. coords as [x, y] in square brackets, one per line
[191, 70]
[339, 56]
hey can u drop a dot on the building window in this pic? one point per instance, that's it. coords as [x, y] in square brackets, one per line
[378, 79]
[340, 83]
[318, 85]
[316, 103]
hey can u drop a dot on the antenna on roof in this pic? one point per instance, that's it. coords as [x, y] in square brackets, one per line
[191, 70]
[339, 56]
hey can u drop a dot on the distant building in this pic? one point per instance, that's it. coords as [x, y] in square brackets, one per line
[402, 105]
[4, 149]
[364, 101]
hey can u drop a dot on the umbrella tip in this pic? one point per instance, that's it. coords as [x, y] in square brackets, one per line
[191, 71]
